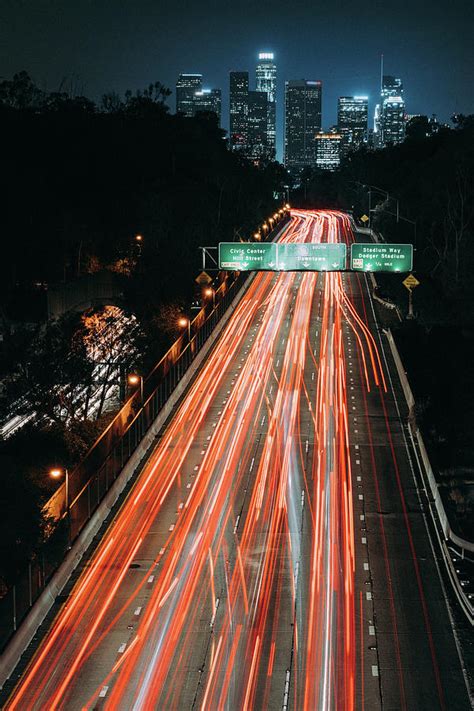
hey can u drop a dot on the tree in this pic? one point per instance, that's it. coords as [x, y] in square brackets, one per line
[20, 92]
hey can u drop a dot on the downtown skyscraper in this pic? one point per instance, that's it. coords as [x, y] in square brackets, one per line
[252, 113]
[186, 86]
[192, 99]
[303, 105]
[238, 110]
[266, 83]
[390, 114]
[352, 119]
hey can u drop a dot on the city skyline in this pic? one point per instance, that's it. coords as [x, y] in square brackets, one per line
[106, 48]
[252, 129]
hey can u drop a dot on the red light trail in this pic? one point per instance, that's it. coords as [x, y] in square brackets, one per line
[247, 580]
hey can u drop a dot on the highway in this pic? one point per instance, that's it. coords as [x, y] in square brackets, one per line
[274, 551]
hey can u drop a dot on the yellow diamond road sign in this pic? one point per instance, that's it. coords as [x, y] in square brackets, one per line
[203, 278]
[410, 282]
[364, 218]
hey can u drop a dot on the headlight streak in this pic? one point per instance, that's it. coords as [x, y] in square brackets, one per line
[237, 566]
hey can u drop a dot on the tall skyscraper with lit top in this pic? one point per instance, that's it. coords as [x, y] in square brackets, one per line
[393, 119]
[208, 101]
[352, 118]
[390, 116]
[266, 82]
[303, 101]
[391, 86]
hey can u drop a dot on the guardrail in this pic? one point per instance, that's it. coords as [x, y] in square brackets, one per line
[440, 517]
[94, 476]
[452, 546]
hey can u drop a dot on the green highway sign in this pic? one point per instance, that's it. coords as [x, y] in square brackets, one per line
[287, 257]
[309, 256]
[381, 257]
[248, 256]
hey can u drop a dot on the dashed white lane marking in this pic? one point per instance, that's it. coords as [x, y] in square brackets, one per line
[375, 670]
[103, 691]
[137, 611]
[122, 648]
[372, 630]
[368, 596]
[366, 566]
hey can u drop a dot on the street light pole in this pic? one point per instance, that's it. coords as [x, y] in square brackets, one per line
[183, 321]
[135, 379]
[56, 474]
[211, 292]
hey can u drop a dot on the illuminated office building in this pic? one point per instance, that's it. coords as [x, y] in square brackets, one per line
[208, 101]
[302, 122]
[266, 83]
[393, 120]
[238, 110]
[352, 118]
[377, 126]
[186, 87]
[328, 150]
[391, 86]
[258, 147]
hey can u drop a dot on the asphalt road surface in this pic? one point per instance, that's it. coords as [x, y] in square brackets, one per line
[274, 552]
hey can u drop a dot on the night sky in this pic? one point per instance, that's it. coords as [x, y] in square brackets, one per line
[120, 45]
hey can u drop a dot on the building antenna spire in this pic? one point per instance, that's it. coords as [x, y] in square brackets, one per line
[381, 74]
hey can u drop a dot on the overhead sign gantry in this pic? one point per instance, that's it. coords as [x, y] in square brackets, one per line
[314, 257]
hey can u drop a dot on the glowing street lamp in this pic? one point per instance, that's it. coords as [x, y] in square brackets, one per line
[183, 322]
[134, 379]
[210, 292]
[57, 473]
